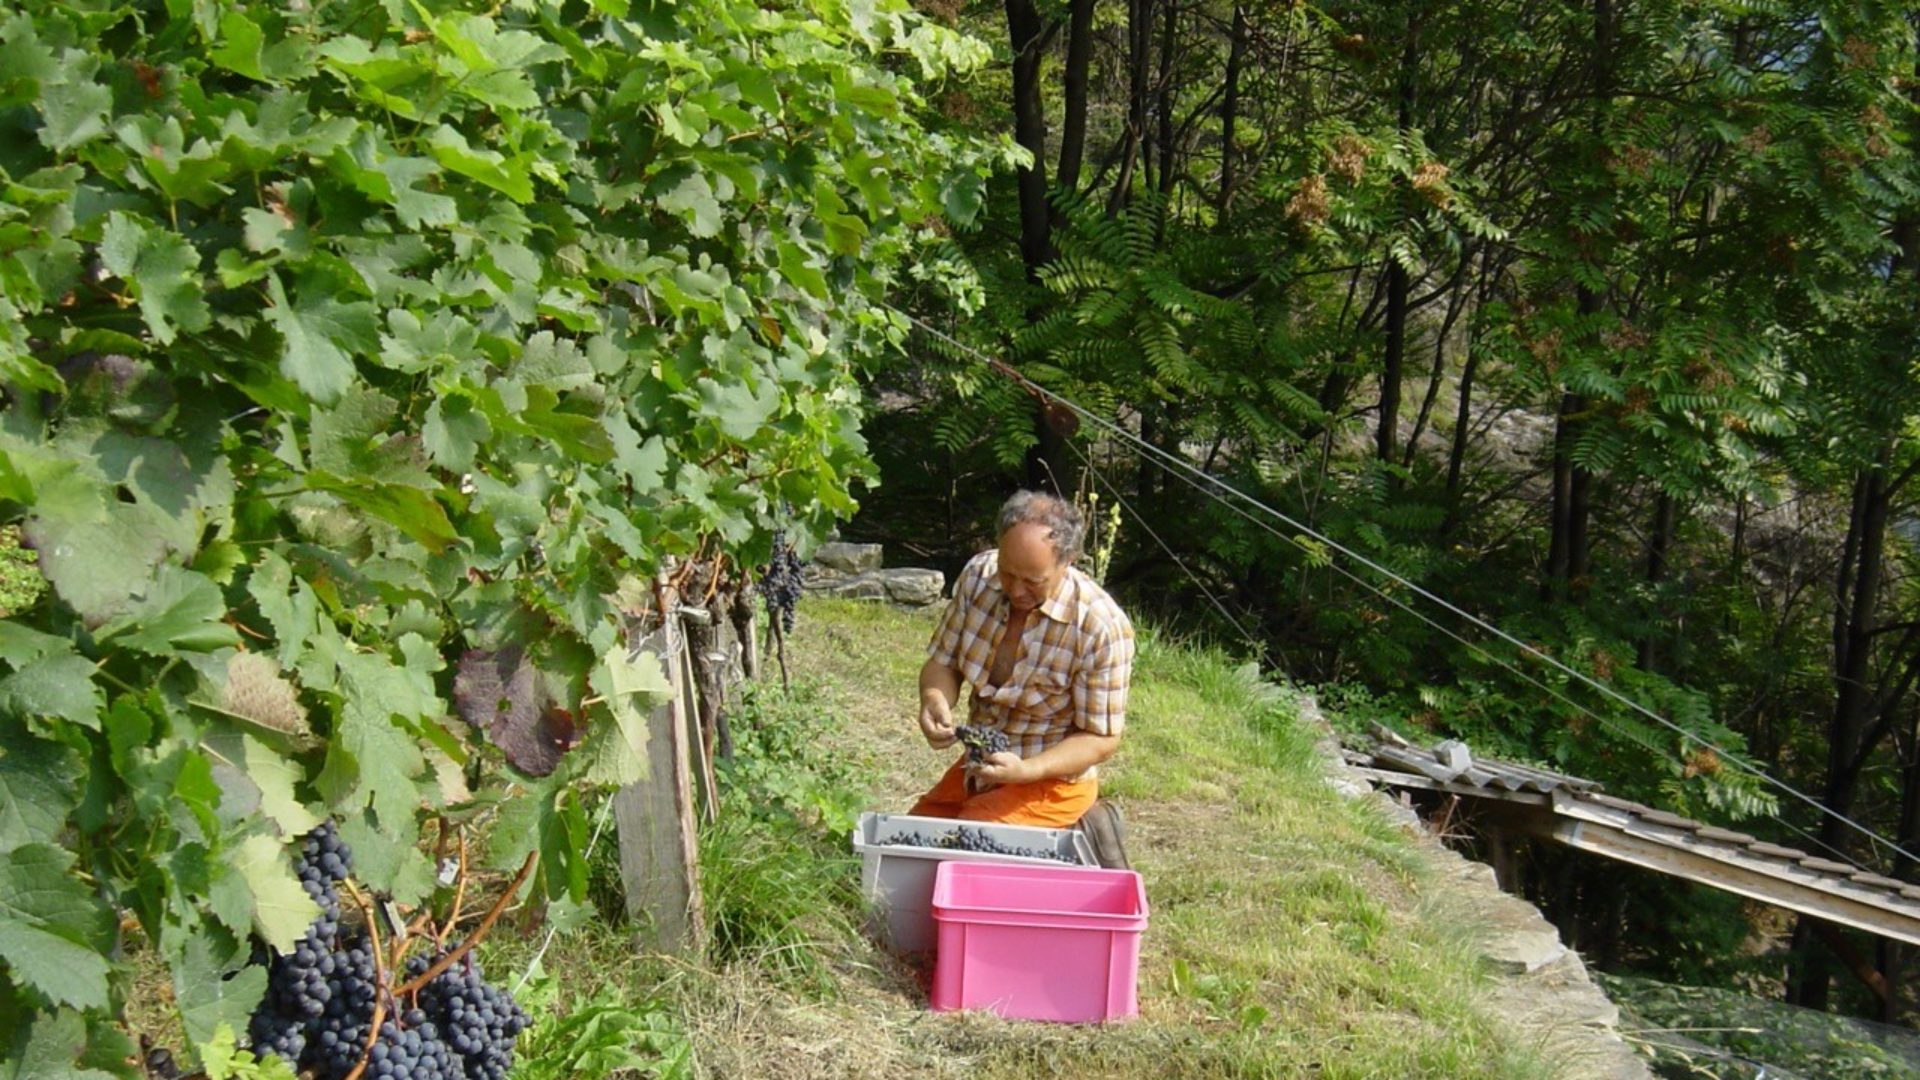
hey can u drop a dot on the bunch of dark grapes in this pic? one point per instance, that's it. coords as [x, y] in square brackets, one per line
[969, 838]
[320, 999]
[478, 1021]
[780, 583]
[981, 741]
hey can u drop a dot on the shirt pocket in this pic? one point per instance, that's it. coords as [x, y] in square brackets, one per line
[1047, 693]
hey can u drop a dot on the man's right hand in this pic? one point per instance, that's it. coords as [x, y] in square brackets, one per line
[936, 721]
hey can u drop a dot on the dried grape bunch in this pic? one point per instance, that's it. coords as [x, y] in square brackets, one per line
[780, 583]
[981, 742]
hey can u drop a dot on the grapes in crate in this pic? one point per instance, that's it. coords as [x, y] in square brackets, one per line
[970, 838]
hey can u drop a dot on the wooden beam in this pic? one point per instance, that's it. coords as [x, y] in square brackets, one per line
[1738, 876]
[1739, 855]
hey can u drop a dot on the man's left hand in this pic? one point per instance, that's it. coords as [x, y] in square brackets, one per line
[1005, 767]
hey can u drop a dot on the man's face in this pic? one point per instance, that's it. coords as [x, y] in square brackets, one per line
[1029, 573]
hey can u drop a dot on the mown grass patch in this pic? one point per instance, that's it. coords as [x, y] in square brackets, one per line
[1290, 934]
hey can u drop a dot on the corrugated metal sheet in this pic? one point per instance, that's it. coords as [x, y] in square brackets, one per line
[1451, 764]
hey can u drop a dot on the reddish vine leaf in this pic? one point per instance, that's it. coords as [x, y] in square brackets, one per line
[499, 692]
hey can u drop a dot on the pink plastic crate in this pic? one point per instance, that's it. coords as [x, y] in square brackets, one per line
[1038, 942]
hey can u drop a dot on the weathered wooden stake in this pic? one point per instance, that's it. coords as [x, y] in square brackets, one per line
[659, 844]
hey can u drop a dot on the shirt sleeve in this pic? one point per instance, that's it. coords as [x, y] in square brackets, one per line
[946, 644]
[1100, 686]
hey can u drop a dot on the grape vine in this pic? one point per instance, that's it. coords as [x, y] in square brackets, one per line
[325, 430]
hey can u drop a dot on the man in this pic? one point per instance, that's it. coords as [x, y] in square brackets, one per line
[1049, 657]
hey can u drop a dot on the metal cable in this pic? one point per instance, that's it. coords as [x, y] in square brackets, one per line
[1114, 490]
[1221, 488]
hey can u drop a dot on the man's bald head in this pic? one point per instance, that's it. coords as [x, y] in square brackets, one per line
[1057, 517]
[1039, 538]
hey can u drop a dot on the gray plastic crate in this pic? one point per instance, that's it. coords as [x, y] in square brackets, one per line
[898, 879]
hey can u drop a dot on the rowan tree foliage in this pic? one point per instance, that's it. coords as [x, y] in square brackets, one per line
[363, 363]
[1592, 317]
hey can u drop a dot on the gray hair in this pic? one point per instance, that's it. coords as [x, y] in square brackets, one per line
[1059, 517]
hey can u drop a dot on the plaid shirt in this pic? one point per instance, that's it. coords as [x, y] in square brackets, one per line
[1074, 665]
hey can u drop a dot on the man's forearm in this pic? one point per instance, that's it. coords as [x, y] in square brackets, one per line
[1072, 755]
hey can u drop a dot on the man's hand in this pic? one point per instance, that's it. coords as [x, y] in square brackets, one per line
[936, 721]
[939, 689]
[1005, 767]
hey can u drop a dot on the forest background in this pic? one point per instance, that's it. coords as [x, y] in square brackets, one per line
[1596, 319]
[355, 352]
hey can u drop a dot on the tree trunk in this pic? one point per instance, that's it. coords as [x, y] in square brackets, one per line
[1073, 125]
[1572, 493]
[1230, 109]
[1025, 32]
[1456, 304]
[1855, 609]
[1462, 428]
[1139, 89]
[1665, 518]
[1169, 23]
[1387, 433]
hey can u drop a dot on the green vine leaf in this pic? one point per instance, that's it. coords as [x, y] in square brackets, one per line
[52, 931]
[282, 910]
[52, 1049]
[161, 268]
[58, 686]
[40, 783]
[318, 338]
[214, 993]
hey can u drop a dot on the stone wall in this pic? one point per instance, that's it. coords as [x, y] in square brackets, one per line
[854, 571]
[1541, 987]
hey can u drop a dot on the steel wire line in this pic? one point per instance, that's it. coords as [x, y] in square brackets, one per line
[1172, 462]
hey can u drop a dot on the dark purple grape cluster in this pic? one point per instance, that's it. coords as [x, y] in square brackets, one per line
[969, 838]
[780, 583]
[324, 862]
[320, 999]
[981, 741]
[477, 1020]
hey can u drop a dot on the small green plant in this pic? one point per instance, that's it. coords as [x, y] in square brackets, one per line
[598, 1035]
[20, 580]
[779, 886]
[781, 766]
[223, 1059]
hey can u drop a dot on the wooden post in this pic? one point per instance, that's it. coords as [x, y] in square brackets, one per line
[741, 613]
[698, 738]
[659, 845]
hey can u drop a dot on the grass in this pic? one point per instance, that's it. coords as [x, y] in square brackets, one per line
[1289, 937]
[1292, 932]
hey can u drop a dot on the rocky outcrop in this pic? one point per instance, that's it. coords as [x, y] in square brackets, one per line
[854, 571]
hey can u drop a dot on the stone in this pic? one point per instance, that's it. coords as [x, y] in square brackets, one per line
[1521, 952]
[848, 558]
[910, 585]
[857, 587]
[902, 585]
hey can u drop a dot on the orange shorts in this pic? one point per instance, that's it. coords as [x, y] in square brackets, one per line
[1055, 804]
